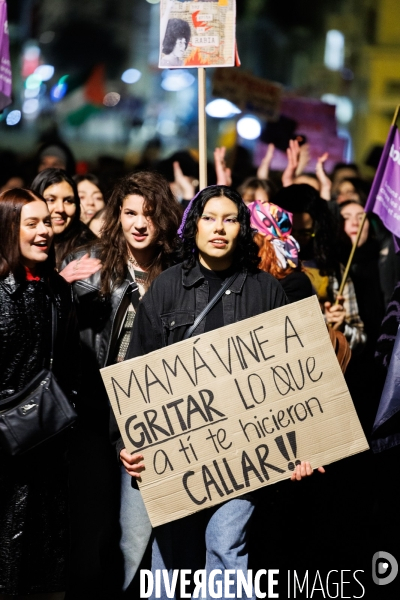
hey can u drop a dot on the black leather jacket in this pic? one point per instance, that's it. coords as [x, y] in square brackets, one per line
[25, 334]
[100, 318]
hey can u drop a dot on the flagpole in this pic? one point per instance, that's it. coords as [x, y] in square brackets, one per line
[360, 228]
[396, 115]
[354, 248]
[202, 128]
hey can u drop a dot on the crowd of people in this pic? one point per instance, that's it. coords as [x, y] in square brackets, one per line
[115, 251]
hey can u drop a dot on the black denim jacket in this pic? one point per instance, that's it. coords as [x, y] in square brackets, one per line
[177, 297]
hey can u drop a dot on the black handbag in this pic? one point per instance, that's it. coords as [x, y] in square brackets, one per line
[38, 412]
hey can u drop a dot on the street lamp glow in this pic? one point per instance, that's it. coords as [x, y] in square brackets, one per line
[32, 82]
[222, 109]
[44, 72]
[13, 117]
[176, 80]
[29, 107]
[334, 50]
[131, 76]
[58, 92]
[344, 107]
[111, 99]
[34, 93]
[249, 128]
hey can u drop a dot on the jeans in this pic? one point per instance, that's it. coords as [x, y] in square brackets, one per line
[135, 526]
[179, 545]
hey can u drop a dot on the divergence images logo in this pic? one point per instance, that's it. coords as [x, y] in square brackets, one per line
[384, 568]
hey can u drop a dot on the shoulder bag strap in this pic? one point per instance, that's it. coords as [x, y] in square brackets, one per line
[210, 305]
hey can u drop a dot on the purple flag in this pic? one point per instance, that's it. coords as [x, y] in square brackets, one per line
[384, 197]
[5, 65]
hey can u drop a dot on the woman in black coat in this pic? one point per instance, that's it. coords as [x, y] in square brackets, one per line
[33, 498]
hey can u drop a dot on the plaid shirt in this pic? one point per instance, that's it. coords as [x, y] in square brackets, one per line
[354, 327]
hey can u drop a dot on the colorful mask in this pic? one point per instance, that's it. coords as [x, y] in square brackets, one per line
[275, 224]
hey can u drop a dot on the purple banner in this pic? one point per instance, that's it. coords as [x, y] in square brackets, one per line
[384, 197]
[5, 65]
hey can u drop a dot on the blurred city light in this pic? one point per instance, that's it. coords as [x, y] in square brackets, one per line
[58, 92]
[33, 93]
[153, 1]
[344, 107]
[131, 76]
[47, 37]
[31, 106]
[111, 99]
[249, 128]
[32, 82]
[222, 109]
[334, 50]
[167, 127]
[30, 60]
[13, 117]
[44, 72]
[176, 80]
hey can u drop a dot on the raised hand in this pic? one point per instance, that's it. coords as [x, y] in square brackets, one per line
[81, 268]
[263, 169]
[293, 155]
[224, 175]
[184, 184]
[324, 181]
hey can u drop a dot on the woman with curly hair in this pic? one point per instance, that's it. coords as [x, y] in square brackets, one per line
[216, 245]
[138, 242]
[176, 40]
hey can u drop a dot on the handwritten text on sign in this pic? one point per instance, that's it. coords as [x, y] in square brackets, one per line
[233, 410]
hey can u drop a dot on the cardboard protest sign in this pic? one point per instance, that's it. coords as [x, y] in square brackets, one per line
[249, 93]
[317, 122]
[197, 34]
[232, 410]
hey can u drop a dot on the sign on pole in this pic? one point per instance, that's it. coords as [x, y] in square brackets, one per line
[249, 93]
[235, 409]
[197, 34]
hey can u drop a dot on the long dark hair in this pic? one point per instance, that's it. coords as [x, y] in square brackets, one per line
[77, 234]
[246, 252]
[176, 30]
[93, 179]
[160, 205]
[11, 204]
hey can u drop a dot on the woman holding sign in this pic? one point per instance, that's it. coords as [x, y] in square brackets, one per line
[218, 254]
